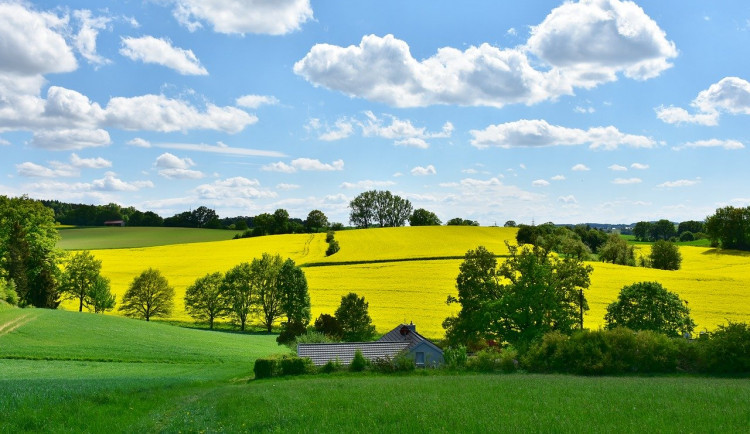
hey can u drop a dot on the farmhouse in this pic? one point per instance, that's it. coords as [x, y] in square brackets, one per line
[114, 223]
[402, 339]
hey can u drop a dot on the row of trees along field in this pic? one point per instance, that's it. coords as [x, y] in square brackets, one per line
[376, 208]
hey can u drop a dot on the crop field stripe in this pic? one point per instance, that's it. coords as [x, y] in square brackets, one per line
[14, 324]
[385, 261]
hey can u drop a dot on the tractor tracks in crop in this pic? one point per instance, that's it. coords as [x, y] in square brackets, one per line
[16, 323]
[306, 247]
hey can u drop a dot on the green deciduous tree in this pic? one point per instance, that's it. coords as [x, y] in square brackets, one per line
[617, 251]
[693, 226]
[379, 207]
[665, 255]
[531, 293]
[148, 296]
[205, 300]
[662, 230]
[239, 292]
[28, 254]
[316, 221]
[295, 301]
[264, 274]
[649, 306]
[730, 227]
[352, 314]
[81, 272]
[99, 297]
[642, 231]
[422, 217]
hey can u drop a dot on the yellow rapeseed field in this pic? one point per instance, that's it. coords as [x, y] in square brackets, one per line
[716, 284]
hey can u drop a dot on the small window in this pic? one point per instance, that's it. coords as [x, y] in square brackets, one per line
[419, 360]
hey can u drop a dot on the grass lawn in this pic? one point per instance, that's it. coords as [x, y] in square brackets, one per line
[90, 238]
[78, 372]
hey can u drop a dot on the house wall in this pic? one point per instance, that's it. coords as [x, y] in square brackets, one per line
[432, 356]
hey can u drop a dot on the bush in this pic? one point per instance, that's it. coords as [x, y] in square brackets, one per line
[727, 351]
[665, 255]
[487, 360]
[290, 332]
[329, 326]
[654, 353]
[546, 355]
[8, 292]
[455, 358]
[333, 247]
[332, 366]
[584, 353]
[687, 236]
[359, 363]
[403, 363]
[264, 368]
[329, 236]
[384, 365]
[293, 365]
[509, 359]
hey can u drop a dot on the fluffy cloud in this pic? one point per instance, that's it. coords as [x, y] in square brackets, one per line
[89, 163]
[29, 169]
[558, 178]
[729, 95]
[569, 199]
[148, 49]
[33, 42]
[85, 39]
[139, 142]
[367, 184]
[579, 44]
[617, 168]
[233, 188]
[626, 181]
[592, 40]
[173, 167]
[255, 101]
[219, 148]
[59, 140]
[250, 16]
[111, 182]
[424, 171]
[540, 183]
[287, 187]
[679, 183]
[639, 166]
[537, 133]
[402, 131]
[342, 129]
[304, 164]
[580, 168]
[712, 143]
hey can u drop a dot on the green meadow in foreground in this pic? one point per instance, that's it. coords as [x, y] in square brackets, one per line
[77, 372]
[91, 238]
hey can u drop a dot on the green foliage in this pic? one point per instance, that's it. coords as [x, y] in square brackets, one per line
[690, 226]
[8, 292]
[359, 363]
[99, 297]
[239, 292]
[329, 236]
[352, 314]
[458, 221]
[329, 326]
[665, 255]
[264, 278]
[149, 295]
[687, 236]
[662, 230]
[727, 351]
[422, 217]
[508, 359]
[510, 224]
[290, 331]
[730, 227]
[28, 254]
[617, 251]
[295, 297]
[379, 207]
[205, 300]
[455, 357]
[264, 368]
[531, 293]
[487, 360]
[293, 365]
[316, 221]
[649, 306]
[81, 272]
[642, 231]
[331, 366]
[333, 247]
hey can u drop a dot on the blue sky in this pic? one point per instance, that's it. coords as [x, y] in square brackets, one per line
[588, 111]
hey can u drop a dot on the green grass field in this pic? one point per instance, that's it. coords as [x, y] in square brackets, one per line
[89, 238]
[78, 372]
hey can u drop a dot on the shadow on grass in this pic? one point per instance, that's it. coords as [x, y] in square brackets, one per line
[717, 252]
[219, 328]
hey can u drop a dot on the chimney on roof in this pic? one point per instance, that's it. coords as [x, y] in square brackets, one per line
[412, 327]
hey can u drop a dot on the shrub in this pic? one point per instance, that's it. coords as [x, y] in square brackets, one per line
[455, 358]
[290, 331]
[487, 360]
[649, 306]
[584, 353]
[546, 355]
[687, 236]
[622, 346]
[333, 247]
[403, 363]
[384, 365]
[329, 236]
[8, 292]
[332, 366]
[665, 255]
[264, 368]
[359, 363]
[329, 325]
[293, 365]
[727, 351]
[654, 353]
[509, 359]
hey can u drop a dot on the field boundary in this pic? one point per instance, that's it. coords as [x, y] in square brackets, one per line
[13, 324]
[384, 261]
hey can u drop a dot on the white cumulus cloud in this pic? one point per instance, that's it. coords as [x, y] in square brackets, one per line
[255, 101]
[679, 183]
[149, 49]
[424, 171]
[69, 139]
[712, 143]
[275, 17]
[626, 181]
[111, 182]
[639, 166]
[540, 183]
[729, 95]
[580, 168]
[304, 164]
[617, 168]
[89, 163]
[85, 39]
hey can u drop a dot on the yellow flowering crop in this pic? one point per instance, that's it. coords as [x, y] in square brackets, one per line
[716, 284]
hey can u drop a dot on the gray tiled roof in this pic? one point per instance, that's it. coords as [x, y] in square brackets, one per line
[320, 354]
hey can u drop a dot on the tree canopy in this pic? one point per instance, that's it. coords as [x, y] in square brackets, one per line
[205, 300]
[379, 208]
[148, 296]
[665, 255]
[81, 273]
[422, 217]
[240, 292]
[649, 306]
[354, 319]
[316, 221]
[729, 227]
